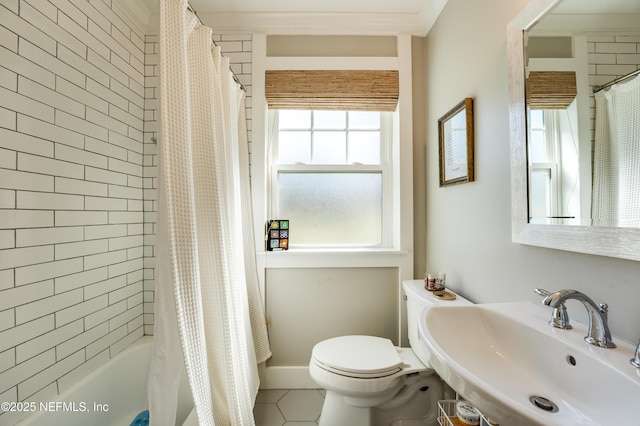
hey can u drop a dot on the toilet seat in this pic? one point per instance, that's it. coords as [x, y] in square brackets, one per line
[363, 357]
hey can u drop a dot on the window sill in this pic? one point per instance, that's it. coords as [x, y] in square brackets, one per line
[333, 258]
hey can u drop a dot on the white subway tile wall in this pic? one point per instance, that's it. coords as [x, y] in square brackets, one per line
[78, 188]
[610, 57]
[74, 257]
[238, 48]
[150, 174]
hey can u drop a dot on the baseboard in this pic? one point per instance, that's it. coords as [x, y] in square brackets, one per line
[286, 378]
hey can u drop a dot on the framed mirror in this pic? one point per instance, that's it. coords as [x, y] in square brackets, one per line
[455, 135]
[621, 242]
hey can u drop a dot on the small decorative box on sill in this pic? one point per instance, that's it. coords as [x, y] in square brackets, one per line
[277, 235]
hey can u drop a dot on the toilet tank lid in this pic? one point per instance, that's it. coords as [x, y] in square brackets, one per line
[358, 354]
[415, 289]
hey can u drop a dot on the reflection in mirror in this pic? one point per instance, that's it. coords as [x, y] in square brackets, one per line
[583, 150]
[620, 242]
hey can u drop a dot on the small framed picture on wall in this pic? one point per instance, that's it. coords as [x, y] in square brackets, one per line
[455, 134]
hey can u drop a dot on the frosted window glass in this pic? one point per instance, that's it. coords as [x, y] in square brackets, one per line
[330, 120]
[364, 120]
[332, 208]
[294, 119]
[329, 148]
[364, 147]
[294, 147]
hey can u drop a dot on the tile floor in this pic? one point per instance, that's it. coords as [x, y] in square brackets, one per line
[288, 407]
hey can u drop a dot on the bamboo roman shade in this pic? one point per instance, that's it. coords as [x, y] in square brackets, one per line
[332, 90]
[551, 89]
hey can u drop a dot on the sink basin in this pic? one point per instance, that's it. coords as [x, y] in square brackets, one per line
[500, 355]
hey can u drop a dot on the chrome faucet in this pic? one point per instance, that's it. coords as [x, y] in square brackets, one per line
[598, 334]
[560, 317]
[635, 361]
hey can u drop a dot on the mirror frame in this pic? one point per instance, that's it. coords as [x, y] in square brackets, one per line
[623, 243]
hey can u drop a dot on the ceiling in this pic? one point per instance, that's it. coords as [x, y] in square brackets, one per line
[365, 17]
[309, 6]
[317, 17]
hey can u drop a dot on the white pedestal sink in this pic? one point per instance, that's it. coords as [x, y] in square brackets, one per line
[499, 356]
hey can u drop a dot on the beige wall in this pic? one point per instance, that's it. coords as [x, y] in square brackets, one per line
[468, 226]
[308, 305]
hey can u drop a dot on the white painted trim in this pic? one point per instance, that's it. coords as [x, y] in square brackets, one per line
[333, 63]
[137, 13]
[622, 243]
[403, 166]
[357, 258]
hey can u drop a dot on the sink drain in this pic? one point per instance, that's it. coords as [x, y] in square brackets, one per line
[544, 404]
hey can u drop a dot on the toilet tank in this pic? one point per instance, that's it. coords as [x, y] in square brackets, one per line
[417, 299]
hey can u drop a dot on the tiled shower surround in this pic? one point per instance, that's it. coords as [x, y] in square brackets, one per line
[71, 192]
[78, 178]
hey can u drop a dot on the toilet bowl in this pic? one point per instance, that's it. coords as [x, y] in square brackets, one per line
[369, 382]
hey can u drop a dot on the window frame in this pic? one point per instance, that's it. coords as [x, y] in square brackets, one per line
[385, 168]
[553, 164]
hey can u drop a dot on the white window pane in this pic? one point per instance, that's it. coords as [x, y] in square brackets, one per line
[332, 208]
[329, 148]
[540, 206]
[364, 147]
[294, 147]
[294, 119]
[537, 118]
[537, 147]
[364, 120]
[330, 120]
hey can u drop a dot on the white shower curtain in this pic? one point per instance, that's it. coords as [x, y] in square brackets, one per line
[207, 297]
[616, 169]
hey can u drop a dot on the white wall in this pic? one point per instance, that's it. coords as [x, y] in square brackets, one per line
[469, 225]
[71, 191]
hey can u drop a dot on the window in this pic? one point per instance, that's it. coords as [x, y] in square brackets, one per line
[330, 176]
[542, 168]
[553, 167]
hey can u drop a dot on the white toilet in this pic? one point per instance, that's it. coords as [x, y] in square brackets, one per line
[369, 382]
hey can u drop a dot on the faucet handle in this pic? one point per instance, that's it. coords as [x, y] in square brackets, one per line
[542, 292]
[559, 317]
[635, 361]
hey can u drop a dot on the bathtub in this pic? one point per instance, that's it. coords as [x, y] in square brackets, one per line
[112, 395]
